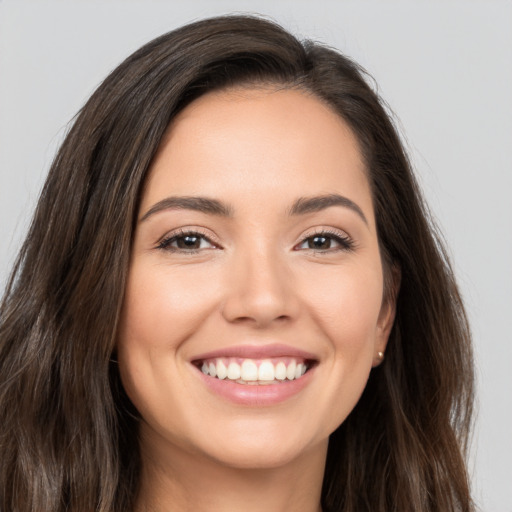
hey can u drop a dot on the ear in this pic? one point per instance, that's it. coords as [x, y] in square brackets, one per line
[387, 314]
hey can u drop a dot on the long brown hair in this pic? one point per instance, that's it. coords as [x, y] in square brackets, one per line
[68, 433]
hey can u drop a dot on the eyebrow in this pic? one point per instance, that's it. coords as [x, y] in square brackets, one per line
[314, 204]
[210, 206]
[198, 204]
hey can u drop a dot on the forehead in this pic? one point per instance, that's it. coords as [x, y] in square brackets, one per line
[259, 141]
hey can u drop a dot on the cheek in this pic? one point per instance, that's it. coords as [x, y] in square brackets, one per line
[347, 304]
[162, 307]
[346, 315]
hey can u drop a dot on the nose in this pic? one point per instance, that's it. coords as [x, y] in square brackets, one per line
[260, 292]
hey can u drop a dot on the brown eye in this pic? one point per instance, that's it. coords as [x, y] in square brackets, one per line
[319, 242]
[186, 243]
[326, 242]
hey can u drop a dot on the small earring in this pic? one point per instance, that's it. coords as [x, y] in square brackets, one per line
[381, 355]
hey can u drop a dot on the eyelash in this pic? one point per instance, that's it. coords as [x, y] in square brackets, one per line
[165, 243]
[345, 242]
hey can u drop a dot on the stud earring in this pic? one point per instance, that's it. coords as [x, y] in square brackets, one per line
[381, 355]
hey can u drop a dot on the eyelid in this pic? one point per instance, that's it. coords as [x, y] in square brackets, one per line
[164, 241]
[345, 241]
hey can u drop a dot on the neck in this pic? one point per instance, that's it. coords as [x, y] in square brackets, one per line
[179, 481]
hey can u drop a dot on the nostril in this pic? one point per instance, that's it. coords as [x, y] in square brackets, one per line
[260, 298]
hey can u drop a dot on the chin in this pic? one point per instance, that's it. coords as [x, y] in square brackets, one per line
[262, 446]
[259, 456]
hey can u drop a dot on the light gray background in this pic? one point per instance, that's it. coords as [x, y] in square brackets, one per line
[444, 67]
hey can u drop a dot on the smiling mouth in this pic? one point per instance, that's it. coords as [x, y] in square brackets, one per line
[255, 371]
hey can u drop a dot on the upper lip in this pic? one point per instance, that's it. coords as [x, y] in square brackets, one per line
[257, 352]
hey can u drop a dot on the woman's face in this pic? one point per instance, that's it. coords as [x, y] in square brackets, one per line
[255, 260]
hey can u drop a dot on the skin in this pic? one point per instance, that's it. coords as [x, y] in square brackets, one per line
[256, 278]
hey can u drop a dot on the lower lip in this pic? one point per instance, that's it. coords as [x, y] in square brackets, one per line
[256, 395]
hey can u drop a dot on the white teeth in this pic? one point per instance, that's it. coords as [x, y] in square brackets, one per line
[248, 372]
[280, 371]
[266, 371]
[222, 371]
[234, 371]
[290, 371]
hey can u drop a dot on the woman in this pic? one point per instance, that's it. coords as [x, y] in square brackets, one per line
[231, 297]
